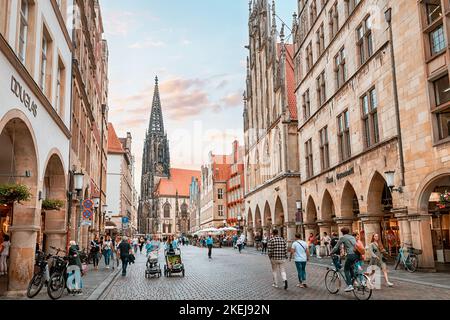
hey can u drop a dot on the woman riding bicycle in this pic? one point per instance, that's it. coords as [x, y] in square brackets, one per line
[353, 255]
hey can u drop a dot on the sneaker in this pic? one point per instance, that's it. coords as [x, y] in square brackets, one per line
[107, 267]
[349, 288]
[305, 286]
[390, 284]
[274, 285]
[285, 285]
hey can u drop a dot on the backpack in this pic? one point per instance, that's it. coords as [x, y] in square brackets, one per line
[359, 248]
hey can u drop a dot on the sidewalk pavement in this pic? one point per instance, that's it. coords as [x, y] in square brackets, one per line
[432, 279]
[95, 282]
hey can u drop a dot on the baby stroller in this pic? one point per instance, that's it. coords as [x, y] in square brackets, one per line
[152, 266]
[173, 262]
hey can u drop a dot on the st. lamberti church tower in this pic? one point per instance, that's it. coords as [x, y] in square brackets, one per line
[163, 208]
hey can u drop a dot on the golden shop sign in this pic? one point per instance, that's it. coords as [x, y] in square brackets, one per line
[23, 96]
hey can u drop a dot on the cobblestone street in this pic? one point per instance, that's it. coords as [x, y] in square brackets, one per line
[233, 276]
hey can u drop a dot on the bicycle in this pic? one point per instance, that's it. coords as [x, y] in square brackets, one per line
[409, 259]
[58, 277]
[41, 277]
[361, 282]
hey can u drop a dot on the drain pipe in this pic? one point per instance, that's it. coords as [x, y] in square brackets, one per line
[388, 17]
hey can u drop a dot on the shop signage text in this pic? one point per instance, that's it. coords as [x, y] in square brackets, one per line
[345, 173]
[24, 97]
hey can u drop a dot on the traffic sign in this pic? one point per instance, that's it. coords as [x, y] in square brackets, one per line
[88, 204]
[86, 223]
[87, 214]
[125, 220]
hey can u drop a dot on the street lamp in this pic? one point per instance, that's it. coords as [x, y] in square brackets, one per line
[390, 181]
[78, 182]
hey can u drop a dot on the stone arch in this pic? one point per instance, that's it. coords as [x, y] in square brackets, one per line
[427, 186]
[349, 202]
[279, 217]
[54, 188]
[375, 194]
[267, 215]
[20, 156]
[311, 211]
[250, 218]
[258, 221]
[327, 210]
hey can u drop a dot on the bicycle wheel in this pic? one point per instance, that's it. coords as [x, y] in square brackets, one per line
[362, 291]
[56, 286]
[332, 281]
[411, 263]
[35, 285]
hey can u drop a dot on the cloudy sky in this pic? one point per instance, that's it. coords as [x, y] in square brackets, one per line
[197, 50]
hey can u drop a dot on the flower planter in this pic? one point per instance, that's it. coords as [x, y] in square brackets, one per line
[52, 205]
[11, 193]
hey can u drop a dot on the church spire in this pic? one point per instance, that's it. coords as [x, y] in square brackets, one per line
[156, 118]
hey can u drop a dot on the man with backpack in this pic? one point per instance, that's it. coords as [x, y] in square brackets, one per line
[354, 253]
[300, 250]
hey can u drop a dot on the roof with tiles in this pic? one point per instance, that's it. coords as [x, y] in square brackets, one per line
[290, 79]
[114, 144]
[180, 181]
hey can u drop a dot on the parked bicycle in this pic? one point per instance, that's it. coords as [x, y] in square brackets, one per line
[41, 277]
[408, 257]
[361, 282]
[58, 275]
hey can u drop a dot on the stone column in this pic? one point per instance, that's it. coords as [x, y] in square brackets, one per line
[404, 229]
[344, 222]
[421, 239]
[22, 252]
[371, 224]
[309, 228]
[291, 229]
[249, 236]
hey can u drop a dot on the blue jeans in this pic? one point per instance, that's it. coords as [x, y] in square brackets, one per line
[349, 268]
[301, 271]
[124, 264]
[312, 249]
[107, 254]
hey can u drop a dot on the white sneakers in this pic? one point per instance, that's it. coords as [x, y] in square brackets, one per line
[274, 285]
[390, 284]
[349, 288]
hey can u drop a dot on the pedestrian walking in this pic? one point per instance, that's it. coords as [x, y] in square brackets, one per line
[125, 251]
[277, 252]
[107, 250]
[117, 251]
[74, 282]
[312, 244]
[301, 256]
[318, 245]
[264, 241]
[235, 239]
[377, 251]
[240, 243]
[135, 244]
[209, 244]
[4, 254]
[95, 251]
[326, 241]
[141, 244]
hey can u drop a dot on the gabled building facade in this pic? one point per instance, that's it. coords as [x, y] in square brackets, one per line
[270, 127]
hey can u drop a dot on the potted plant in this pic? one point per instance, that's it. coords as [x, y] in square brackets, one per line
[444, 201]
[52, 204]
[11, 193]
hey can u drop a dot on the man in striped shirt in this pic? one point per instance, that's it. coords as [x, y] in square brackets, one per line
[277, 252]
